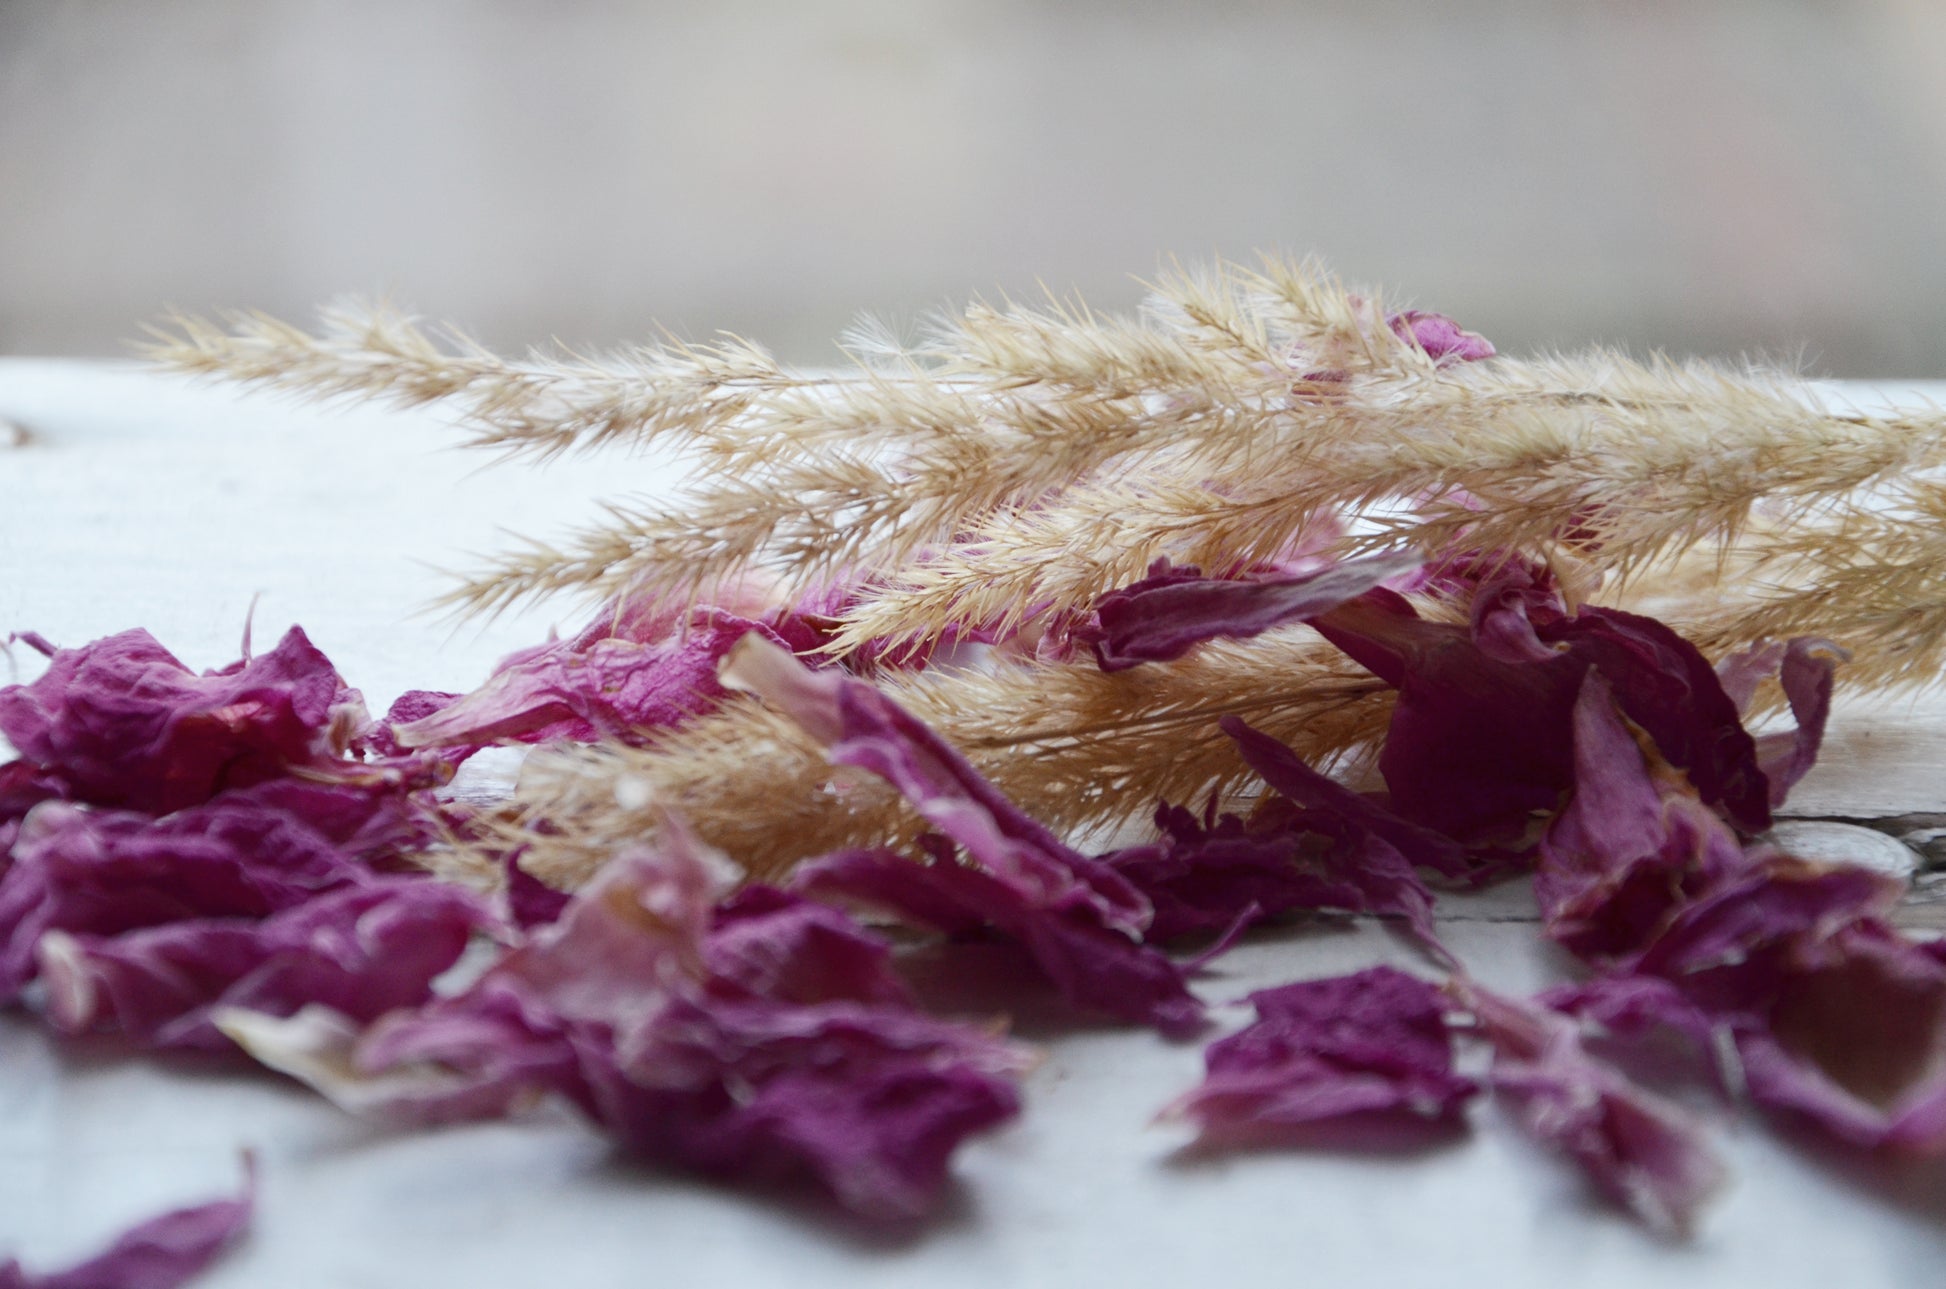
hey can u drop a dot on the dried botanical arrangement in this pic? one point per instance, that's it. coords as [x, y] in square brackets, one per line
[1341, 605]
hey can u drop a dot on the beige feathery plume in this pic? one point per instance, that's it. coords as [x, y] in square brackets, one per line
[542, 406]
[1871, 576]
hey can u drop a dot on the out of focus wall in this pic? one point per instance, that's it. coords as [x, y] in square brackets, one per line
[1699, 175]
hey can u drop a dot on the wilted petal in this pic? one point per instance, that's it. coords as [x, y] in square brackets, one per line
[1807, 674]
[361, 952]
[123, 723]
[530, 901]
[867, 1103]
[1643, 1151]
[602, 685]
[1837, 1018]
[1094, 968]
[1634, 843]
[1224, 875]
[1513, 714]
[1166, 614]
[161, 1253]
[103, 872]
[1443, 339]
[1372, 1044]
[860, 726]
[779, 945]
[686, 1039]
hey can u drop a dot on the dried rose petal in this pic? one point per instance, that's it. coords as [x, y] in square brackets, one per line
[361, 951]
[107, 871]
[1632, 845]
[1834, 1017]
[1216, 875]
[161, 1253]
[1370, 1045]
[1805, 666]
[1172, 610]
[1511, 705]
[1094, 968]
[123, 723]
[1080, 920]
[779, 945]
[613, 681]
[1442, 338]
[1644, 1152]
[1837, 1018]
[867, 1103]
[530, 901]
[1807, 675]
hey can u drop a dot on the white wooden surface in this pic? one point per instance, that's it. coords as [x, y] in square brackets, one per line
[138, 500]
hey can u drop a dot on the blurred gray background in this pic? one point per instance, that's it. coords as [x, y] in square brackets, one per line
[1701, 176]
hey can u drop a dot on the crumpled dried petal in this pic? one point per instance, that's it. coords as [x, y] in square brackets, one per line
[103, 872]
[121, 722]
[779, 945]
[1643, 1151]
[161, 1253]
[1633, 844]
[1174, 609]
[867, 1103]
[1443, 339]
[1215, 875]
[623, 676]
[1095, 969]
[1373, 849]
[1505, 693]
[1079, 918]
[361, 951]
[1372, 1045]
[530, 901]
[1805, 666]
[671, 1026]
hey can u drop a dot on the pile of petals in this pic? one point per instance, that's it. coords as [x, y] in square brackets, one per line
[225, 862]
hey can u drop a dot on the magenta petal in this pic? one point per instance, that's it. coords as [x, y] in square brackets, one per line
[161, 1253]
[686, 1037]
[1632, 844]
[1372, 1044]
[1511, 709]
[362, 952]
[1079, 919]
[1642, 1151]
[1443, 339]
[1094, 968]
[125, 724]
[530, 901]
[1298, 783]
[597, 685]
[1838, 1019]
[866, 1103]
[107, 871]
[779, 945]
[1807, 675]
[1665, 685]
[1227, 876]
[1165, 615]
[862, 727]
